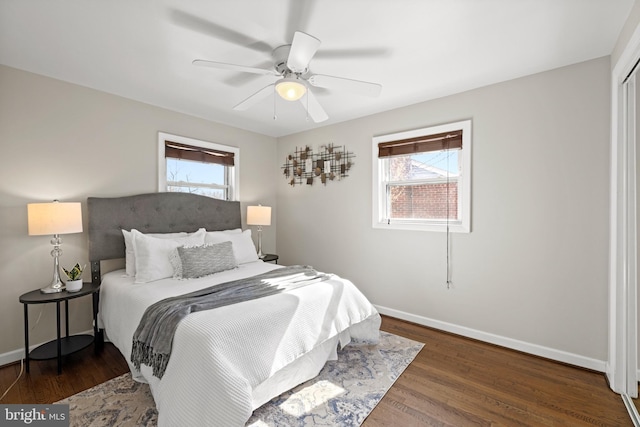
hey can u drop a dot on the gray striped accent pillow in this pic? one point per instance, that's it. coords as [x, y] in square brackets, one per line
[199, 261]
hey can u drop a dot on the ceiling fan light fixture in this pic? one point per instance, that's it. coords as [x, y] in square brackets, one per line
[290, 88]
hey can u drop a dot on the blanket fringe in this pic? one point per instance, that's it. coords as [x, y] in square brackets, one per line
[142, 353]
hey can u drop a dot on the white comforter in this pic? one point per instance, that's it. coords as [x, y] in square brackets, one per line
[228, 361]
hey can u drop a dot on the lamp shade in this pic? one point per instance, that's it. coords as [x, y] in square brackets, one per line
[258, 215]
[54, 218]
[290, 88]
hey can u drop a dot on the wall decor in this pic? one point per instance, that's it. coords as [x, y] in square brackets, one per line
[330, 163]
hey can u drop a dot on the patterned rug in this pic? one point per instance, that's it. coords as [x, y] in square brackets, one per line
[343, 394]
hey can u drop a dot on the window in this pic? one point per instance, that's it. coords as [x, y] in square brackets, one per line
[191, 166]
[422, 179]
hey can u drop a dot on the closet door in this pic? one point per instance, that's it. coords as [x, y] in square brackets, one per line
[633, 135]
[624, 327]
[632, 116]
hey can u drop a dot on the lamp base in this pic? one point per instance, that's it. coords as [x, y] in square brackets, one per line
[260, 254]
[53, 288]
[56, 284]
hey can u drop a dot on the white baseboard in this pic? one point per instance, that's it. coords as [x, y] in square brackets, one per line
[12, 356]
[16, 355]
[537, 350]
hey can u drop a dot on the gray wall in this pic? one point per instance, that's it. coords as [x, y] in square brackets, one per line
[532, 274]
[60, 140]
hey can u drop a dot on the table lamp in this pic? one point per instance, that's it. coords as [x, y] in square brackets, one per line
[259, 215]
[54, 218]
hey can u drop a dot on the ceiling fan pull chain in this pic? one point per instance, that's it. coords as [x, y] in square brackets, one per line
[275, 116]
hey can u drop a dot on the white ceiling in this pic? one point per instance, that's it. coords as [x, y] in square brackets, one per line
[417, 49]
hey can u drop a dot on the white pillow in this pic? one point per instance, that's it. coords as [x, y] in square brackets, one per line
[222, 233]
[152, 254]
[130, 257]
[243, 246]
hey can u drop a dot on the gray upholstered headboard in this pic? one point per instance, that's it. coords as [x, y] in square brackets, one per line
[152, 213]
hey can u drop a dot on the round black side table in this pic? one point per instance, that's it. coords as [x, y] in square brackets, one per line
[61, 346]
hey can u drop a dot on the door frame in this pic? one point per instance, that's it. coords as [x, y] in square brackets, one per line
[622, 362]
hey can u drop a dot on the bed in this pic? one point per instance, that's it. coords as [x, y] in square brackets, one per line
[228, 361]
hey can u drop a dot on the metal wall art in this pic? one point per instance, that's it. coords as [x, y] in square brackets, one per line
[331, 163]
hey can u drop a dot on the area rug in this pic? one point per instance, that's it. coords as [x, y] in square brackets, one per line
[343, 394]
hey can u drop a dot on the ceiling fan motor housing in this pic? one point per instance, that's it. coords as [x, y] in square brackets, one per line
[280, 56]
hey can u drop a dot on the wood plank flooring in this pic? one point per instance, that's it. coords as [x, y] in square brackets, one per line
[454, 381]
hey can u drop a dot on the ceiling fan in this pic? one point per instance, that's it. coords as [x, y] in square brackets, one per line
[291, 64]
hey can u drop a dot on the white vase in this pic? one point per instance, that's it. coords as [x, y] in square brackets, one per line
[74, 285]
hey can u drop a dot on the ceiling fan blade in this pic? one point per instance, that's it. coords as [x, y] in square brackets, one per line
[239, 79]
[302, 50]
[313, 107]
[366, 52]
[340, 83]
[196, 23]
[299, 15]
[255, 98]
[233, 67]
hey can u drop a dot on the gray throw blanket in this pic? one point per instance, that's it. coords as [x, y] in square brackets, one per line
[153, 338]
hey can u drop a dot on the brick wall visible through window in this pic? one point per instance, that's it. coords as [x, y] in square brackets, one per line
[427, 201]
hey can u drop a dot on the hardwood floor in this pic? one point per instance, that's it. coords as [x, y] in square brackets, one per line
[454, 381]
[80, 371]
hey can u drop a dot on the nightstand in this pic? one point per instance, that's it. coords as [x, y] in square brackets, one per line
[270, 258]
[61, 346]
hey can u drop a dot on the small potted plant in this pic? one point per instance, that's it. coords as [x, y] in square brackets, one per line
[74, 278]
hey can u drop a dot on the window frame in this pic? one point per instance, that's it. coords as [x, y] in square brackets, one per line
[379, 183]
[233, 177]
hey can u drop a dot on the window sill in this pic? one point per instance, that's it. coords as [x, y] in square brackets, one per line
[454, 227]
